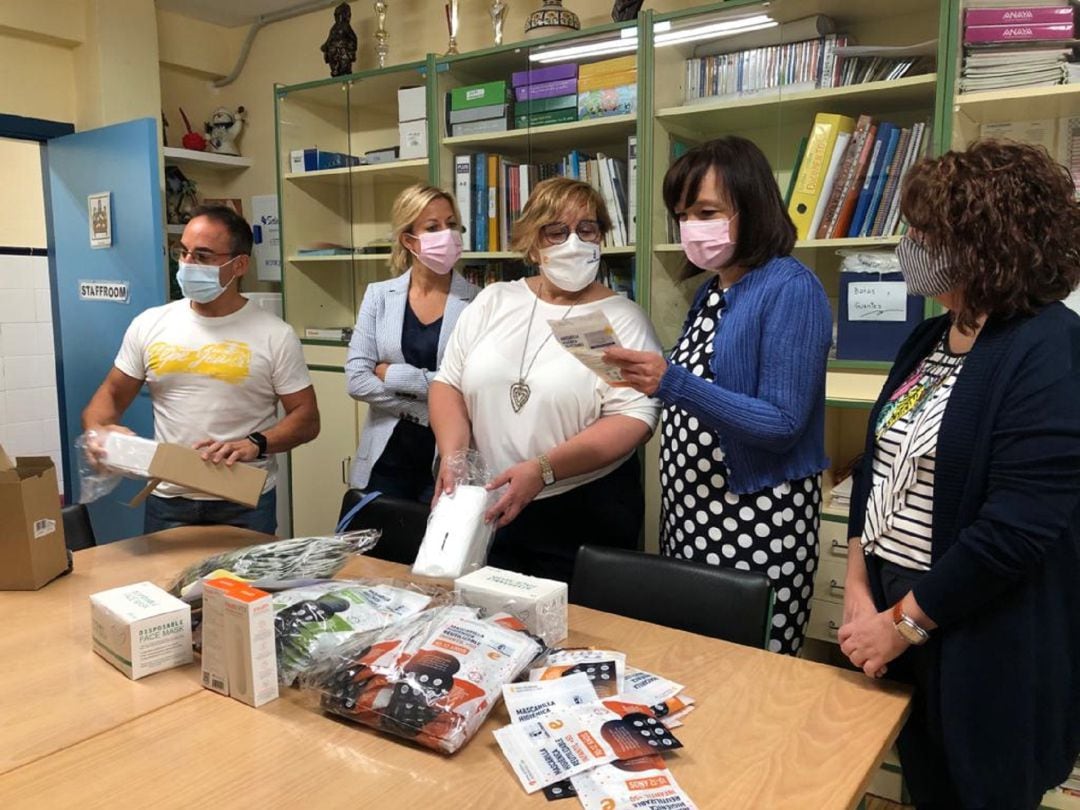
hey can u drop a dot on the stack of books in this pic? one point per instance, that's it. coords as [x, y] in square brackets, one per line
[847, 180]
[478, 108]
[546, 95]
[608, 87]
[1016, 44]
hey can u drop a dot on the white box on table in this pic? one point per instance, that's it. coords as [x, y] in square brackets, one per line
[239, 658]
[141, 629]
[540, 603]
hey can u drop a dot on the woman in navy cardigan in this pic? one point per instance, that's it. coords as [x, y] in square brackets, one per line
[742, 438]
[967, 502]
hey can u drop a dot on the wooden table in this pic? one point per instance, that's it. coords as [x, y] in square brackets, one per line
[769, 731]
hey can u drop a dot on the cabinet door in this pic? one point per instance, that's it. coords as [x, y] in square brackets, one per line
[320, 469]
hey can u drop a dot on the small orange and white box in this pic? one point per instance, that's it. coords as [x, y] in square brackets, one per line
[238, 655]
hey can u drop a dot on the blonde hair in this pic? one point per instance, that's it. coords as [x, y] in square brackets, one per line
[408, 207]
[546, 204]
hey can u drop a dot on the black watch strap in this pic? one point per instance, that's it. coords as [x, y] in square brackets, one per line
[259, 440]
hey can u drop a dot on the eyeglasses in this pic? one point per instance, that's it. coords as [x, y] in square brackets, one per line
[588, 230]
[179, 252]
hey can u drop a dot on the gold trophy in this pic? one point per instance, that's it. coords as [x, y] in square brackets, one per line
[452, 25]
[381, 48]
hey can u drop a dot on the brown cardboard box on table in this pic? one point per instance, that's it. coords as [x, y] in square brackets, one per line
[32, 550]
[181, 465]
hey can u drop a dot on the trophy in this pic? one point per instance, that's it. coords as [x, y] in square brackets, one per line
[498, 17]
[452, 25]
[551, 18]
[381, 48]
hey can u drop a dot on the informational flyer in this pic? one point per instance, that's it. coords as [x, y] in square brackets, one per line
[587, 337]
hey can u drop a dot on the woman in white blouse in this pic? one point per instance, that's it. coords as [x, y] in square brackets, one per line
[562, 440]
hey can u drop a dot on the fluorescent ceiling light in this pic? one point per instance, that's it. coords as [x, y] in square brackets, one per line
[712, 32]
[592, 49]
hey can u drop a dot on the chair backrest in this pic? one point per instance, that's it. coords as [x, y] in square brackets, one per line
[78, 531]
[724, 603]
[401, 522]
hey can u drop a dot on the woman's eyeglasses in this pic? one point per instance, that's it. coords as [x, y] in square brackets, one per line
[587, 230]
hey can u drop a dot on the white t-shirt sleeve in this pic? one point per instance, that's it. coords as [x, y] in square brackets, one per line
[131, 359]
[467, 331]
[290, 373]
[635, 331]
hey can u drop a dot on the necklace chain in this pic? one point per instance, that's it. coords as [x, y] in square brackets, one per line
[520, 391]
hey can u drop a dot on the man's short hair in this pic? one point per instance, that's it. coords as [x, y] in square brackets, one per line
[238, 228]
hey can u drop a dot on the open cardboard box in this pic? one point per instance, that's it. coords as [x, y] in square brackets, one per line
[32, 550]
[176, 464]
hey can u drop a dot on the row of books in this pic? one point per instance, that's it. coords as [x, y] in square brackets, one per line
[492, 190]
[1024, 44]
[847, 178]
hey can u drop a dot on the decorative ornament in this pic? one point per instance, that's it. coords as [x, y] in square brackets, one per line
[498, 17]
[625, 10]
[551, 18]
[181, 196]
[452, 25]
[192, 140]
[381, 48]
[339, 50]
[519, 395]
[223, 129]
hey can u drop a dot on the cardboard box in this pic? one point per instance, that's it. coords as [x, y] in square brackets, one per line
[141, 629]
[560, 87]
[543, 119]
[412, 139]
[478, 113]
[478, 95]
[602, 81]
[548, 73]
[875, 316]
[539, 105]
[411, 103]
[616, 65]
[32, 550]
[481, 127]
[612, 101]
[239, 658]
[539, 603]
[176, 464]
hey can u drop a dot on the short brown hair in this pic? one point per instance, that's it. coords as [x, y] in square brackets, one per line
[1006, 216]
[765, 229]
[546, 203]
[408, 206]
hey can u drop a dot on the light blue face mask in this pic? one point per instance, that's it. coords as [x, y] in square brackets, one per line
[201, 283]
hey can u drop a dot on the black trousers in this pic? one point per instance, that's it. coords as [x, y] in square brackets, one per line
[544, 539]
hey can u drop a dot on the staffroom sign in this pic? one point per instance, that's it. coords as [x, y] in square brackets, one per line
[115, 291]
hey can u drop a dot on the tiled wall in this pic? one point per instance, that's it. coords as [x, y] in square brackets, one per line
[28, 407]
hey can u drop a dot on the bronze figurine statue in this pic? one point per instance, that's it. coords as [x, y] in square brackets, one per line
[624, 10]
[339, 50]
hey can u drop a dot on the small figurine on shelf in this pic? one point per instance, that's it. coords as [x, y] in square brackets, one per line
[164, 129]
[192, 140]
[382, 49]
[339, 50]
[223, 129]
[625, 10]
[498, 17]
[181, 196]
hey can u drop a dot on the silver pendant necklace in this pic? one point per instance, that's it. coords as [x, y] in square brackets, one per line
[520, 391]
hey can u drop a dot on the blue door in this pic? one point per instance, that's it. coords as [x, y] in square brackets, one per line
[123, 160]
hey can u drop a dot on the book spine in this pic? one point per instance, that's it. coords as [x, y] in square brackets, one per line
[914, 149]
[480, 210]
[842, 185]
[854, 187]
[839, 148]
[1017, 16]
[463, 189]
[868, 183]
[494, 184]
[892, 182]
[1017, 33]
[631, 193]
[878, 187]
[815, 166]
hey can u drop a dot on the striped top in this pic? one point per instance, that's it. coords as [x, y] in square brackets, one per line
[899, 512]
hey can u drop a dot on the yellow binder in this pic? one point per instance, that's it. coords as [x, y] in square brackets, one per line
[815, 165]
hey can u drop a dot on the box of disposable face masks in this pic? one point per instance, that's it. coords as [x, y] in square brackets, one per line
[239, 658]
[141, 629]
[539, 603]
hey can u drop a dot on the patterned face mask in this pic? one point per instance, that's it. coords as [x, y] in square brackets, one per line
[925, 273]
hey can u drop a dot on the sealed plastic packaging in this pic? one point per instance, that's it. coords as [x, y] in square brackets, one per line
[96, 478]
[457, 537]
[432, 679]
[310, 622]
[541, 604]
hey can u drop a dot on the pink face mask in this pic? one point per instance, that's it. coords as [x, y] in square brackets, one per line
[440, 250]
[707, 242]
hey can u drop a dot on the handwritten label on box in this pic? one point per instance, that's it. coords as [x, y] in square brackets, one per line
[877, 301]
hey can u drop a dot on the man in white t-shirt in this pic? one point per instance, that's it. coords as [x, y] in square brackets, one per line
[217, 366]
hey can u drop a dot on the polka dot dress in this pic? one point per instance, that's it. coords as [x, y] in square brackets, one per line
[773, 531]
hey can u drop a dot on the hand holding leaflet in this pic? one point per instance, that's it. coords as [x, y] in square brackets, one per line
[587, 337]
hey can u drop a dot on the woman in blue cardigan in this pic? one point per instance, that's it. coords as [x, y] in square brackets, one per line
[396, 348]
[967, 503]
[742, 438]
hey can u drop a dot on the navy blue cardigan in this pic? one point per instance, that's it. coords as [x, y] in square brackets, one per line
[1004, 582]
[767, 399]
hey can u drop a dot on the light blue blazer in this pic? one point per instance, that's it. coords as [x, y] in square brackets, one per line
[377, 339]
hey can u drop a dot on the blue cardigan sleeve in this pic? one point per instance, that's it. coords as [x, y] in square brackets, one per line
[1033, 490]
[795, 338]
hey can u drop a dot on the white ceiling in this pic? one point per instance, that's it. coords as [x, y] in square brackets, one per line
[230, 13]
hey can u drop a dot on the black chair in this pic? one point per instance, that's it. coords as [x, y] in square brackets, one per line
[720, 602]
[78, 530]
[401, 522]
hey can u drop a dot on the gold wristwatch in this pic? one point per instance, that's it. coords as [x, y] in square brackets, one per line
[907, 627]
[546, 471]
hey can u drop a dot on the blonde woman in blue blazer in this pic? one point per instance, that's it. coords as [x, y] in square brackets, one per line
[398, 343]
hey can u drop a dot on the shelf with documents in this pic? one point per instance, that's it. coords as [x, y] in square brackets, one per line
[550, 138]
[393, 172]
[175, 155]
[1019, 103]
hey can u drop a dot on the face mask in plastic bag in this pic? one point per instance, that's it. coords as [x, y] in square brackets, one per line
[644, 783]
[604, 668]
[432, 679]
[310, 622]
[532, 699]
[644, 687]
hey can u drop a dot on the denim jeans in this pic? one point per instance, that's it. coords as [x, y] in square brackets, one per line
[171, 513]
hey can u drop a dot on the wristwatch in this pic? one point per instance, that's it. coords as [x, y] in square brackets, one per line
[907, 627]
[259, 440]
[546, 471]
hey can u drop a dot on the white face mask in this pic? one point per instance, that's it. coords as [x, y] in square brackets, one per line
[201, 283]
[571, 266]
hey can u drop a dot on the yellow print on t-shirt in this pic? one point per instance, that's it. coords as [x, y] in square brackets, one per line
[228, 361]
